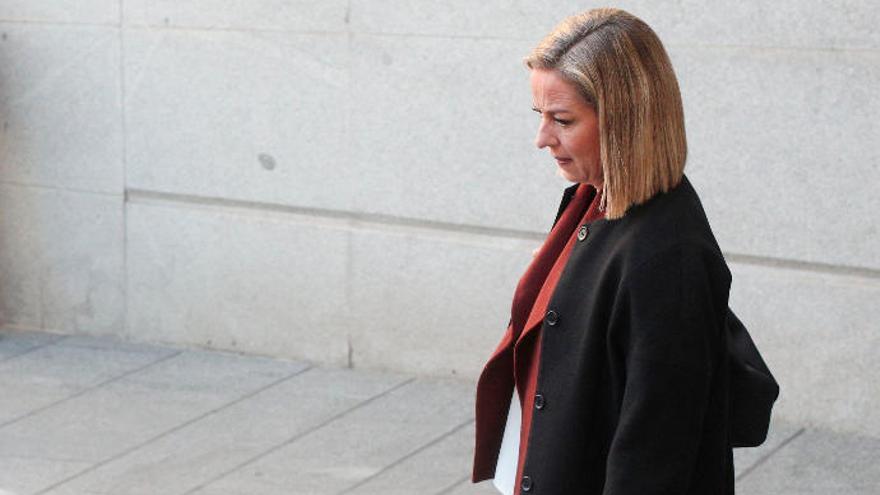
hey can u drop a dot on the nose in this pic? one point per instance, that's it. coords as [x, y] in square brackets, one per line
[545, 136]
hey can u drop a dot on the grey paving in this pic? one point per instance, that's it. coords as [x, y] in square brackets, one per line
[819, 462]
[97, 416]
[358, 446]
[220, 443]
[51, 374]
[21, 343]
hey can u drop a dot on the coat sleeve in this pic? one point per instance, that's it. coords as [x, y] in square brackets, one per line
[665, 327]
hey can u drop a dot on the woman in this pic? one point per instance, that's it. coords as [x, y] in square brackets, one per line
[612, 376]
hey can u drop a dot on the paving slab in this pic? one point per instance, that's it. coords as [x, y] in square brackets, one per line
[781, 432]
[212, 423]
[434, 469]
[19, 475]
[359, 445]
[113, 343]
[49, 375]
[465, 487]
[14, 343]
[126, 414]
[219, 443]
[818, 462]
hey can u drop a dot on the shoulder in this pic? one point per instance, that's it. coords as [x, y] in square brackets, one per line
[671, 227]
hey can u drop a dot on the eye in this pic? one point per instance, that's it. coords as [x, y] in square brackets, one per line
[563, 122]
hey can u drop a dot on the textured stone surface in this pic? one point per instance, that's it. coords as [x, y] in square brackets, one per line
[358, 445]
[21, 475]
[60, 106]
[439, 465]
[61, 260]
[83, 11]
[779, 172]
[52, 374]
[781, 432]
[458, 147]
[305, 15]
[97, 426]
[812, 24]
[818, 463]
[467, 488]
[251, 281]
[370, 177]
[14, 343]
[818, 336]
[210, 422]
[432, 302]
[754, 22]
[256, 116]
[208, 449]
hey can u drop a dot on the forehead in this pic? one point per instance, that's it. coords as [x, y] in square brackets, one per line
[550, 88]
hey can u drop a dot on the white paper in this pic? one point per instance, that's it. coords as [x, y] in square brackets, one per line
[508, 456]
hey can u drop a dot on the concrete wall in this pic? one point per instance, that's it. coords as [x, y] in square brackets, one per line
[354, 182]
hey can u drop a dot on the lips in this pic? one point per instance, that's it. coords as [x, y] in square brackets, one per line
[562, 161]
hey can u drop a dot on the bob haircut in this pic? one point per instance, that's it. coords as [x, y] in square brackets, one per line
[621, 68]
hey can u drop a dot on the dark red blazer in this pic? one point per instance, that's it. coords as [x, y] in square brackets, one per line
[632, 363]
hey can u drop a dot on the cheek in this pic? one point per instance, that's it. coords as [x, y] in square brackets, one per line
[586, 144]
[591, 143]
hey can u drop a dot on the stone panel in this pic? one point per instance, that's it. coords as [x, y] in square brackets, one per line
[60, 107]
[239, 115]
[303, 15]
[65, 11]
[819, 337]
[61, 260]
[779, 151]
[432, 302]
[848, 24]
[443, 130]
[243, 280]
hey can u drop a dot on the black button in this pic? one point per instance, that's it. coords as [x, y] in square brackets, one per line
[539, 401]
[552, 318]
[582, 232]
[526, 484]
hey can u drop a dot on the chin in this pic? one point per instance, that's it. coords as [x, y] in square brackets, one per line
[565, 175]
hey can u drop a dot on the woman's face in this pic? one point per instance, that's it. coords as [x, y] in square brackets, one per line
[569, 127]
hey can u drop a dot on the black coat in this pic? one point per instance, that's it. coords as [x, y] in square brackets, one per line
[633, 370]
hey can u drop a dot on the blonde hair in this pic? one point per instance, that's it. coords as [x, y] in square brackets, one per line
[622, 69]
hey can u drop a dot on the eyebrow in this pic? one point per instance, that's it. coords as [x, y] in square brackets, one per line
[552, 111]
